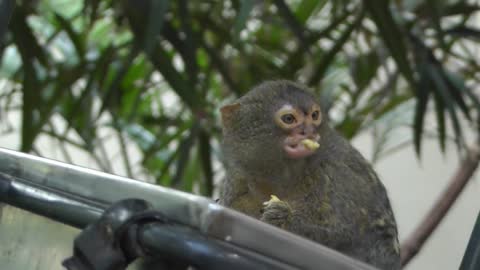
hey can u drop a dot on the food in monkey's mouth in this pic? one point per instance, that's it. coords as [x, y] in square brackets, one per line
[300, 147]
[310, 144]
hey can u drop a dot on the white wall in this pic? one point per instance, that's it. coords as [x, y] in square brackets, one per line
[413, 187]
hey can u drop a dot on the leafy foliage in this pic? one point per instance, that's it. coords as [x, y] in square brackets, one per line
[156, 72]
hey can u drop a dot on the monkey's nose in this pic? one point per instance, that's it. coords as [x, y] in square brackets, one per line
[308, 131]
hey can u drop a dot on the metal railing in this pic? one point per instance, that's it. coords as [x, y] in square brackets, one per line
[211, 236]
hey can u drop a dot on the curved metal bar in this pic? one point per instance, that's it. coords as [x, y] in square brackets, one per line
[205, 216]
[49, 204]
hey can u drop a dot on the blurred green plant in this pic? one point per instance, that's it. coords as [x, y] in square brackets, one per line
[156, 72]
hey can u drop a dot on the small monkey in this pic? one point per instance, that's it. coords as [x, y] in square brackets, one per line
[277, 142]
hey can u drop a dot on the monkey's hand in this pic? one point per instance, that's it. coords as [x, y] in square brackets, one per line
[276, 212]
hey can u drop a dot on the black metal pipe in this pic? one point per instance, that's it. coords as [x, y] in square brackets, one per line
[48, 204]
[205, 253]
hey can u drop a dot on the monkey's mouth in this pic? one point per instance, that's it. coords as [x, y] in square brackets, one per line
[295, 146]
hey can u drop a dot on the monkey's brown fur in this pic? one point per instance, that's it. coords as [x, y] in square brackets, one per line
[332, 196]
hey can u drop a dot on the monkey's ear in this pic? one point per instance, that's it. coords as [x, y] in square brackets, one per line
[228, 111]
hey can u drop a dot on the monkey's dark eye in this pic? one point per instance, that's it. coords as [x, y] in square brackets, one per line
[315, 115]
[288, 118]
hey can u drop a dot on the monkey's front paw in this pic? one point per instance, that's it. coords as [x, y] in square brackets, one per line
[276, 211]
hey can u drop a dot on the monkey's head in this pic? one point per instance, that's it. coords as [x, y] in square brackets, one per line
[269, 125]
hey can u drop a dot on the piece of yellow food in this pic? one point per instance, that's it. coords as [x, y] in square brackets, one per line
[312, 145]
[273, 198]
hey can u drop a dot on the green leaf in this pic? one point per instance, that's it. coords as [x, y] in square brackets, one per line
[103, 64]
[67, 77]
[440, 113]
[246, 7]
[137, 71]
[456, 92]
[364, 68]
[73, 109]
[93, 5]
[130, 102]
[421, 108]
[205, 157]
[163, 177]
[435, 10]
[350, 126]
[448, 95]
[202, 58]
[391, 34]
[442, 89]
[10, 62]
[162, 142]
[29, 132]
[175, 79]
[306, 8]
[76, 38]
[146, 140]
[102, 34]
[393, 103]
[325, 61]
[464, 32]
[25, 39]
[184, 150]
[113, 96]
[461, 85]
[154, 25]
[460, 8]
[191, 175]
[6, 10]
[67, 9]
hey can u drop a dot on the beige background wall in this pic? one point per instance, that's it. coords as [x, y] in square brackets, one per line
[413, 186]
